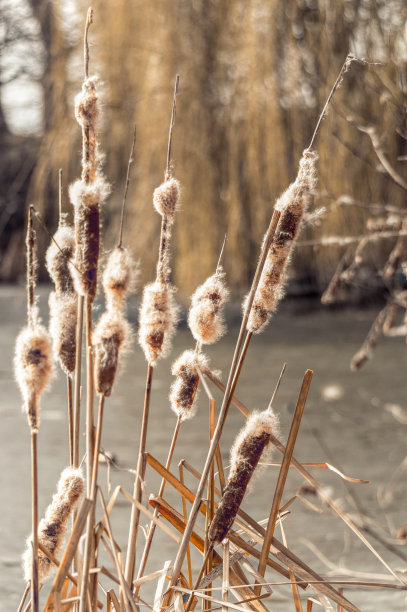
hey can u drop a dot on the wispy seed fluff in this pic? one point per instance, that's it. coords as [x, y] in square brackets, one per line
[184, 389]
[33, 368]
[58, 258]
[110, 337]
[158, 319]
[87, 113]
[86, 199]
[247, 449]
[62, 328]
[292, 206]
[205, 317]
[119, 277]
[52, 528]
[166, 198]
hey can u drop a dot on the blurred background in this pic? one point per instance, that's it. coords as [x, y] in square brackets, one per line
[253, 79]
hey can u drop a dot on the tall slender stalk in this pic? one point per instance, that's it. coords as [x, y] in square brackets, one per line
[34, 516]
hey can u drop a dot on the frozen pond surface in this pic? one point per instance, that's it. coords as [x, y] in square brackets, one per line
[356, 415]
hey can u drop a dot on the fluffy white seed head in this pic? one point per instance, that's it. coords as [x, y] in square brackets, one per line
[33, 368]
[86, 199]
[86, 103]
[110, 337]
[58, 258]
[52, 528]
[119, 276]
[166, 198]
[62, 328]
[158, 320]
[292, 205]
[184, 389]
[258, 424]
[205, 318]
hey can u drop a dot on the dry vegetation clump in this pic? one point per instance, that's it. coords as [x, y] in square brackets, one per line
[90, 584]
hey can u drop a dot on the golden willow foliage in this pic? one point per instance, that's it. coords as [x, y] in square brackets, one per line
[254, 76]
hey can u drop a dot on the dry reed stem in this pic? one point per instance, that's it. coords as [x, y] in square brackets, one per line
[24, 597]
[34, 521]
[78, 376]
[125, 589]
[365, 351]
[151, 531]
[137, 493]
[70, 419]
[282, 477]
[185, 515]
[294, 586]
[71, 545]
[237, 577]
[225, 574]
[131, 160]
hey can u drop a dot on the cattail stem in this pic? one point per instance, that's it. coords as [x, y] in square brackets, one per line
[78, 374]
[24, 597]
[225, 575]
[185, 514]
[89, 21]
[131, 160]
[30, 244]
[34, 490]
[137, 492]
[224, 408]
[199, 578]
[60, 194]
[282, 477]
[174, 105]
[70, 418]
[151, 532]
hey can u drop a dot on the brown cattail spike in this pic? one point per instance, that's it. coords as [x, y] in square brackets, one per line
[246, 452]
[62, 328]
[205, 317]
[166, 198]
[86, 199]
[158, 319]
[119, 277]
[33, 368]
[292, 206]
[110, 337]
[184, 389]
[59, 254]
[52, 527]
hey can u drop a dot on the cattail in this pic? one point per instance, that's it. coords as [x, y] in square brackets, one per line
[118, 277]
[59, 253]
[86, 199]
[110, 336]
[246, 451]
[33, 368]
[52, 527]
[87, 113]
[166, 199]
[158, 318]
[184, 389]
[292, 206]
[205, 317]
[62, 328]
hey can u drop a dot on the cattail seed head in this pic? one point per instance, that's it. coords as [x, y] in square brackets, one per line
[205, 317]
[58, 258]
[184, 389]
[110, 337]
[166, 198]
[118, 276]
[33, 368]
[292, 205]
[86, 103]
[62, 328]
[52, 528]
[158, 319]
[248, 448]
[86, 199]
